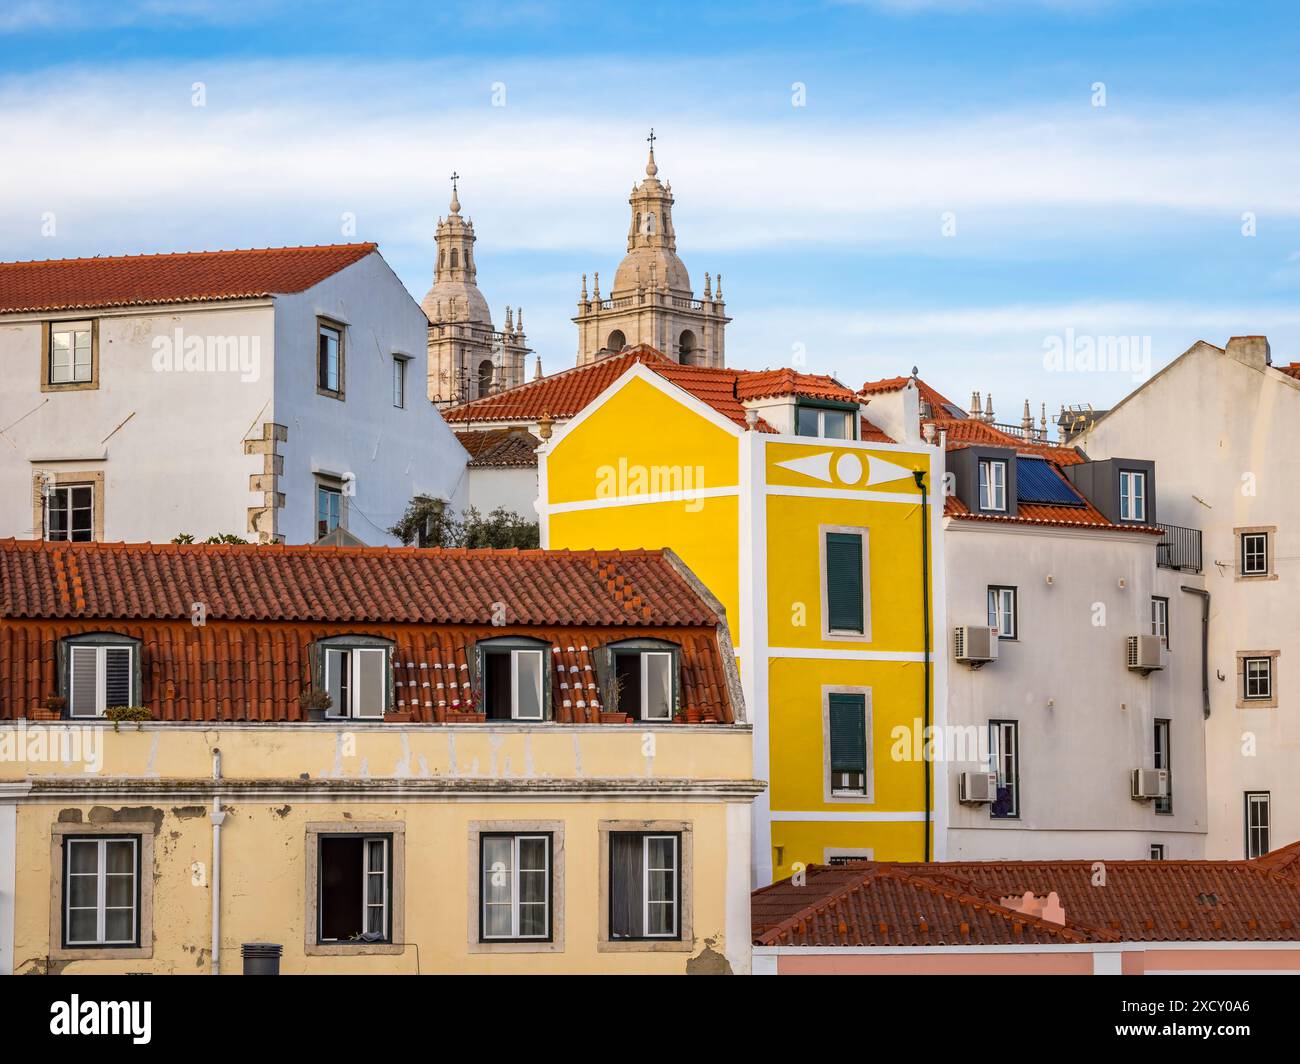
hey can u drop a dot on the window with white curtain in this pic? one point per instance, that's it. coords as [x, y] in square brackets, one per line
[354, 880]
[515, 887]
[644, 885]
[993, 485]
[514, 683]
[101, 891]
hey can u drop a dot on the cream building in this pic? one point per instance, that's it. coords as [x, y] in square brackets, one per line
[468, 357]
[1221, 424]
[652, 301]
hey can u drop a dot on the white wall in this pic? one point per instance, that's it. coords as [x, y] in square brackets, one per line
[170, 444]
[393, 453]
[1219, 426]
[1076, 754]
[514, 489]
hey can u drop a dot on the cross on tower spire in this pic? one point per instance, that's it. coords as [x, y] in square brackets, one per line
[650, 168]
[455, 197]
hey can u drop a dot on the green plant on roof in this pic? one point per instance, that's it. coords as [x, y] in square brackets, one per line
[117, 714]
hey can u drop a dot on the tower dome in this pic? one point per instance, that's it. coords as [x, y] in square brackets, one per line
[455, 295]
[651, 260]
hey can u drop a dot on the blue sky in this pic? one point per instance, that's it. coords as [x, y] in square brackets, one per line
[826, 220]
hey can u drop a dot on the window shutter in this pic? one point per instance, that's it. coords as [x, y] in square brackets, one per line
[844, 581]
[848, 733]
[117, 677]
[83, 687]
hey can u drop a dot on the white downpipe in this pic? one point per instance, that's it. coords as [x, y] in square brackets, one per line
[216, 816]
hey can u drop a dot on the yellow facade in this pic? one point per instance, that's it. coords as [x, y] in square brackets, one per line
[435, 786]
[648, 465]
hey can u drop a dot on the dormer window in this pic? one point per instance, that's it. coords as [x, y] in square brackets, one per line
[356, 671]
[100, 672]
[993, 485]
[642, 679]
[514, 679]
[824, 422]
[1132, 495]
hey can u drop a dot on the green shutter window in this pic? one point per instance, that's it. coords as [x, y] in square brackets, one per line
[848, 715]
[844, 581]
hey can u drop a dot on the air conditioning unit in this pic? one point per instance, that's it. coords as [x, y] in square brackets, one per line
[1146, 653]
[977, 787]
[1148, 783]
[975, 644]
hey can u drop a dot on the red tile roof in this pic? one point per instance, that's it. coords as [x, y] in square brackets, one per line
[894, 384]
[765, 383]
[500, 448]
[886, 905]
[962, 432]
[1040, 513]
[1150, 901]
[189, 277]
[149, 581]
[563, 395]
[266, 605]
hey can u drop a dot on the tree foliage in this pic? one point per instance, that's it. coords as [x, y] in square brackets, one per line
[431, 523]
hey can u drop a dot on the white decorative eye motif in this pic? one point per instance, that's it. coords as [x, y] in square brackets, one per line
[848, 469]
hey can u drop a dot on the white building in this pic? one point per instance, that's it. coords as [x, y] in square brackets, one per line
[272, 394]
[1223, 425]
[1039, 544]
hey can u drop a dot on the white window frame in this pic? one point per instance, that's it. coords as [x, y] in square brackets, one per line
[101, 674]
[1132, 495]
[1002, 603]
[997, 753]
[56, 489]
[399, 381]
[675, 901]
[1246, 570]
[1266, 676]
[1260, 828]
[101, 892]
[645, 684]
[821, 413]
[353, 710]
[1162, 737]
[73, 327]
[514, 871]
[366, 873]
[335, 491]
[1156, 851]
[993, 489]
[1160, 618]
[323, 327]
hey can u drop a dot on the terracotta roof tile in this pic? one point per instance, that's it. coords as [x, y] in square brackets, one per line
[189, 277]
[499, 448]
[563, 395]
[344, 584]
[878, 904]
[266, 605]
[887, 905]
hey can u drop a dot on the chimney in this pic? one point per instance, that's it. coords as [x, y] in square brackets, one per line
[1250, 350]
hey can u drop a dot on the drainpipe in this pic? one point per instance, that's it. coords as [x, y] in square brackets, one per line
[216, 816]
[1205, 646]
[919, 476]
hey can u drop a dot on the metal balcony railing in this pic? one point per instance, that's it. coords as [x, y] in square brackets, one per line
[1179, 548]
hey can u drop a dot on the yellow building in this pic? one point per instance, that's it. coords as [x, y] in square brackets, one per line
[381, 760]
[812, 528]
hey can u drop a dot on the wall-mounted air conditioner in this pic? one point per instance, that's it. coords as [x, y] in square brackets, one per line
[975, 644]
[1148, 783]
[973, 787]
[1146, 653]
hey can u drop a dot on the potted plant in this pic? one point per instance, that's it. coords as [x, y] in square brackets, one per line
[51, 708]
[611, 714]
[316, 703]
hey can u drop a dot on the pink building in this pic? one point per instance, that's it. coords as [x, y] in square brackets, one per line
[1033, 918]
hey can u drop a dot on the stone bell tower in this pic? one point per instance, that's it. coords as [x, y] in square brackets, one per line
[468, 357]
[651, 301]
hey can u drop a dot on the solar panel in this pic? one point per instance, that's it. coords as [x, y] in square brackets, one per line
[1037, 480]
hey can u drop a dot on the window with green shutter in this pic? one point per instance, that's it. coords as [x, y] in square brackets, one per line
[844, 604]
[848, 727]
